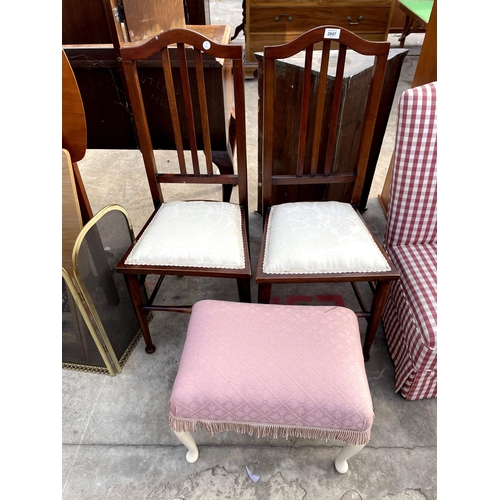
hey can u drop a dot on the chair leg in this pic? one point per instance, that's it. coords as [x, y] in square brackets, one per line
[187, 440]
[347, 452]
[134, 289]
[379, 300]
[406, 30]
[264, 294]
[244, 290]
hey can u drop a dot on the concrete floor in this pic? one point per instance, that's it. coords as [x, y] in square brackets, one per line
[116, 440]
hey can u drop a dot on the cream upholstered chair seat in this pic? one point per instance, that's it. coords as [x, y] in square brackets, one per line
[193, 234]
[319, 237]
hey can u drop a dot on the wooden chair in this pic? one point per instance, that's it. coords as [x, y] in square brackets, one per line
[196, 237]
[321, 241]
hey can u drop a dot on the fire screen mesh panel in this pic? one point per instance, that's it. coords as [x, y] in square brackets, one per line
[82, 349]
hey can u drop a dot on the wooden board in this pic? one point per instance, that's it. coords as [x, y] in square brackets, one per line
[71, 215]
[85, 22]
[146, 18]
[74, 126]
[426, 71]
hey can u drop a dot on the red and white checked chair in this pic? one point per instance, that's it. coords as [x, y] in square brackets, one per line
[410, 315]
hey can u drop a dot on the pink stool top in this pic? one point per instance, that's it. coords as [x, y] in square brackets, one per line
[273, 369]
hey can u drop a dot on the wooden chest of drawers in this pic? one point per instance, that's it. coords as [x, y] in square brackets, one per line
[271, 22]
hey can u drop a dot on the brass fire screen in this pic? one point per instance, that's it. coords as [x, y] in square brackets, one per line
[100, 328]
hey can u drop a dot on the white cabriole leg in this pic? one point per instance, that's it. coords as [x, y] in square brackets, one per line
[187, 440]
[347, 452]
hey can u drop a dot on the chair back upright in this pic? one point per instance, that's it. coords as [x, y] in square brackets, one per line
[320, 115]
[188, 104]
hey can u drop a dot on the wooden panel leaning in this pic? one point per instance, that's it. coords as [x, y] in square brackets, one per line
[71, 215]
[322, 241]
[146, 18]
[74, 132]
[198, 237]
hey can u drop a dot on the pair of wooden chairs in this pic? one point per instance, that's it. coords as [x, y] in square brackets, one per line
[303, 242]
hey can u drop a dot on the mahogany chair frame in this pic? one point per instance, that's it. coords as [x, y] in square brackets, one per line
[317, 168]
[187, 45]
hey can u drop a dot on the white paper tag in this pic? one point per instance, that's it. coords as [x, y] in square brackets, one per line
[206, 45]
[332, 33]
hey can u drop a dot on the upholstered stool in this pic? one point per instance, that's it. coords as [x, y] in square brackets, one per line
[273, 370]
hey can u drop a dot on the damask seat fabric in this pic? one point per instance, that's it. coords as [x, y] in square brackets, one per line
[270, 369]
[192, 234]
[319, 237]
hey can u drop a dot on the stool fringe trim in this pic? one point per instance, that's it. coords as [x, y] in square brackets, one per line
[263, 430]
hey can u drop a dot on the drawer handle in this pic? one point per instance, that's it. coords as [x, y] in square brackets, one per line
[277, 18]
[360, 18]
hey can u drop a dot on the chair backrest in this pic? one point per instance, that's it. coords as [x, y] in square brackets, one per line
[412, 213]
[180, 51]
[320, 116]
